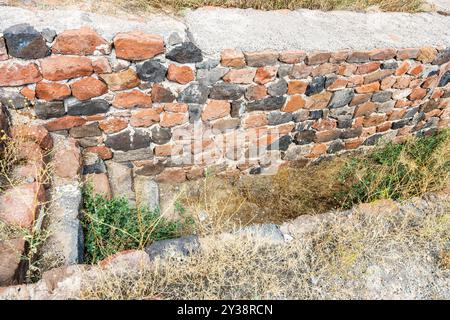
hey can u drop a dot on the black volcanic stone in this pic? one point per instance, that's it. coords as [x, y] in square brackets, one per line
[89, 130]
[195, 112]
[281, 144]
[442, 57]
[122, 140]
[341, 98]
[278, 88]
[305, 137]
[47, 110]
[335, 146]
[194, 93]
[161, 135]
[266, 104]
[316, 85]
[152, 71]
[278, 117]
[23, 41]
[372, 140]
[445, 79]
[226, 91]
[88, 108]
[187, 52]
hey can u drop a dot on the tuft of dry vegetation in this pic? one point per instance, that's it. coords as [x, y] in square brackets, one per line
[142, 6]
[344, 258]
[389, 171]
[325, 5]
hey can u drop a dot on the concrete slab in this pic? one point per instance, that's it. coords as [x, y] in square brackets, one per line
[441, 5]
[248, 29]
[107, 26]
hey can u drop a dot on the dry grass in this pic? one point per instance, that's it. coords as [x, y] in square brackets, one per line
[339, 260]
[390, 171]
[225, 204]
[143, 6]
[12, 155]
[326, 5]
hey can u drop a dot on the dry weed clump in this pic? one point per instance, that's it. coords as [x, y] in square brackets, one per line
[14, 154]
[342, 259]
[388, 171]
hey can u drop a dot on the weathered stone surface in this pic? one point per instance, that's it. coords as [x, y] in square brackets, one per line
[36, 133]
[180, 74]
[3, 52]
[67, 159]
[18, 73]
[223, 125]
[136, 45]
[341, 98]
[241, 76]
[126, 260]
[147, 192]
[358, 56]
[278, 88]
[216, 109]
[64, 123]
[208, 77]
[145, 117]
[161, 94]
[88, 88]
[50, 91]
[187, 52]
[149, 168]
[254, 119]
[10, 256]
[292, 56]
[83, 41]
[316, 85]
[89, 130]
[47, 110]
[88, 108]
[92, 163]
[13, 100]
[294, 103]
[133, 155]
[122, 80]
[111, 125]
[299, 71]
[171, 119]
[232, 58]
[152, 71]
[194, 93]
[100, 184]
[132, 99]
[23, 41]
[101, 65]
[442, 57]
[120, 180]
[281, 144]
[270, 103]
[195, 111]
[277, 117]
[124, 142]
[19, 205]
[165, 249]
[65, 230]
[58, 68]
[382, 96]
[226, 91]
[160, 135]
[48, 34]
[444, 79]
[256, 92]
[261, 58]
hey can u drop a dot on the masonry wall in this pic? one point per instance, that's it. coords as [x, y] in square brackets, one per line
[170, 112]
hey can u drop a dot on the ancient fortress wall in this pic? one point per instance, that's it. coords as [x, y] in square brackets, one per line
[169, 112]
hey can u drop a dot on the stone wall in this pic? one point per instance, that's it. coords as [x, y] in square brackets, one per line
[167, 111]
